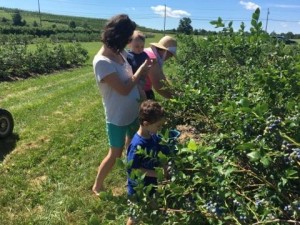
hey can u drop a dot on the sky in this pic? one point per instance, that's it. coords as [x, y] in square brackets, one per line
[280, 16]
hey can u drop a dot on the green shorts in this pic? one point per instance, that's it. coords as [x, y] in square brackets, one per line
[117, 134]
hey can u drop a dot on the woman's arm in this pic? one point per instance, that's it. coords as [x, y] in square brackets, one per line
[125, 88]
[158, 80]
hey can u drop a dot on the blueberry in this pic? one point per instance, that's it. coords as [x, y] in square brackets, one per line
[278, 121]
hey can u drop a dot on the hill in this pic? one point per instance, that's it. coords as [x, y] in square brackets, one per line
[46, 20]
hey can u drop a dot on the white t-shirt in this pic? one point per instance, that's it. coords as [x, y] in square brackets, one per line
[120, 110]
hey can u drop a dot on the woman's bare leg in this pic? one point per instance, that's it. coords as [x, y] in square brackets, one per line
[105, 167]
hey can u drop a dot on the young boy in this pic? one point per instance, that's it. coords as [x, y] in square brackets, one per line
[136, 56]
[151, 118]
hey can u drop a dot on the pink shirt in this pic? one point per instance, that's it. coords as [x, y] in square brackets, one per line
[151, 55]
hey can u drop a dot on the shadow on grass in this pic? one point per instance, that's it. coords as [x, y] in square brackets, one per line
[7, 145]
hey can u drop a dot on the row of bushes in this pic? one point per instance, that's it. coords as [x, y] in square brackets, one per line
[43, 31]
[61, 37]
[16, 61]
[78, 37]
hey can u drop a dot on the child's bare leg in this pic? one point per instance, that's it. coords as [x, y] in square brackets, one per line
[127, 143]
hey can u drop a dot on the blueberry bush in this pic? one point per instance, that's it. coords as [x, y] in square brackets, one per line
[18, 61]
[241, 91]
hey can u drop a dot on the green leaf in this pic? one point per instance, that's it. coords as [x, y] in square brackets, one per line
[253, 23]
[244, 102]
[159, 173]
[245, 146]
[246, 109]
[255, 155]
[259, 24]
[178, 190]
[218, 153]
[261, 109]
[284, 181]
[192, 145]
[265, 161]
[218, 23]
[190, 158]
[256, 14]
[220, 169]
[162, 157]
[229, 171]
[291, 174]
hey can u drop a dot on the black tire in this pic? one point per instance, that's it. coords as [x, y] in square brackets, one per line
[6, 123]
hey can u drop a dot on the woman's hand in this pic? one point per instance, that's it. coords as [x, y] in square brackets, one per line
[145, 67]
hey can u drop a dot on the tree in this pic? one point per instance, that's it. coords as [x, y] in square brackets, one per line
[289, 35]
[35, 24]
[85, 25]
[17, 18]
[185, 26]
[72, 24]
[273, 34]
[4, 20]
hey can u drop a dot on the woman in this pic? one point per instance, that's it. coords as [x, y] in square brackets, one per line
[161, 51]
[118, 87]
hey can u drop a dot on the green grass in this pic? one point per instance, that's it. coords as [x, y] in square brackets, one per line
[60, 138]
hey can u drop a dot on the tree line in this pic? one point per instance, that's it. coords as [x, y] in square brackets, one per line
[185, 27]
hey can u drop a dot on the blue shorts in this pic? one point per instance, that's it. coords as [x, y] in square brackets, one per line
[117, 134]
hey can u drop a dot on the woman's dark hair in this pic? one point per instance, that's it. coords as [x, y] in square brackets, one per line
[151, 111]
[117, 32]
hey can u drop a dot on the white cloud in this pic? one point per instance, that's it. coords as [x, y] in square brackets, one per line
[161, 9]
[283, 24]
[249, 5]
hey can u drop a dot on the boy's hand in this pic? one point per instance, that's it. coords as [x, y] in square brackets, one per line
[166, 172]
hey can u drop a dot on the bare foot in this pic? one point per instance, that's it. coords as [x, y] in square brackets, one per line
[97, 191]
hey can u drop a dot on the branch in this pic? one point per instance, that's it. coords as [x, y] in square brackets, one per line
[262, 179]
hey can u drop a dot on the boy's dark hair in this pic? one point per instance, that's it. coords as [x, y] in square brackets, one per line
[117, 32]
[151, 111]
